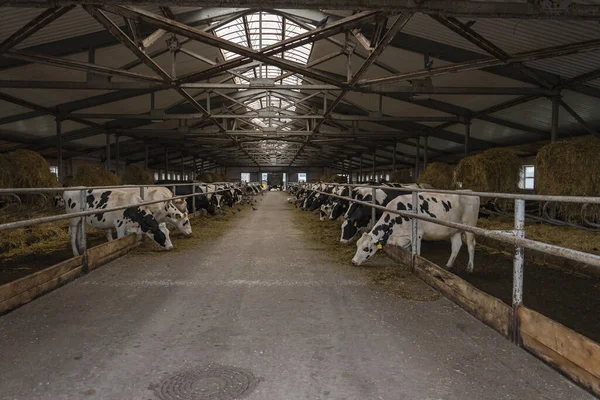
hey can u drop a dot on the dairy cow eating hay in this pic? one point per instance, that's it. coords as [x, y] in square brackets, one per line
[396, 230]
[135, 219]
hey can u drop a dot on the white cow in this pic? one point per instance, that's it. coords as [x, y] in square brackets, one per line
[396, 230]
[135, 219]
[172, 212]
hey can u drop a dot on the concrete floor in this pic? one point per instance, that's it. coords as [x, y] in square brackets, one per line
[262, 298]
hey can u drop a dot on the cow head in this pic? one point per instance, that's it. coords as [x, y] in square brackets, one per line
[324, 212]
[338, 209]
[366, 247]
[179, 219]
[358, 217]
[149, 225]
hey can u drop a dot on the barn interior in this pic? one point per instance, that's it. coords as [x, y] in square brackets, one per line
[252, 293]
[182, 89]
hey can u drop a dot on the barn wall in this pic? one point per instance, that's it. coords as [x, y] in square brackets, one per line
[312, 173]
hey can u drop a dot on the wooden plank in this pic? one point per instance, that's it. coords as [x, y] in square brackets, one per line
[566, 366]
[21, 291]
[36, 291]
[578, 349]
[25, 283]
[102, 251]
[483, 306]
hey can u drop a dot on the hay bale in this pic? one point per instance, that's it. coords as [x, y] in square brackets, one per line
[217, 177]
[135, 175]
[333, 178]
[205, 177]
[439, 176]
[25, 169]
[402, 176]
[5, 168]
[570, 168]
[94, 175]
[494, 170]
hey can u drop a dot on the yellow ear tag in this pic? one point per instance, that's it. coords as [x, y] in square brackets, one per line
[178, 217]
[379, 246]
[343, 206]
[355, 224]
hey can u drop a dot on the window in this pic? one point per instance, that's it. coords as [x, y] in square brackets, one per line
[527, 177]
[302, 177]
[245, 177]
[54, 170]
[387, 177]
[264, 176]
[156, 177]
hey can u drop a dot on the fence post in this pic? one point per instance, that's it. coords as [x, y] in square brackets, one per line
[517, 298]
[373, 210]
[82, 237]
[194, 198]
[413, 242]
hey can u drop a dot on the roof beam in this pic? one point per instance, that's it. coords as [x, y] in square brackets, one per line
[42, 20]
[456, 8]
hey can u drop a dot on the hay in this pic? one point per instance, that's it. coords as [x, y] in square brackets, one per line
[564, 236]
[216, 177]
[439, 176]
[334, 178]
[25, 169]
[204, 228]
[570, 168]
[135, 175]
[402, 176]
[494, 170]
[94, 175]
[205, 177]
[381, 272]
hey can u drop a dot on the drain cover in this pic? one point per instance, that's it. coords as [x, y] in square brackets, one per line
[213, 382]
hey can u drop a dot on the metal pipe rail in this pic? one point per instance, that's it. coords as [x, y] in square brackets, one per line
[41, 220]
[513, 196]
[517, 238]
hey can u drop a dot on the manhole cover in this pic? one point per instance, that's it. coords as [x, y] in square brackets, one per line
[213, 382]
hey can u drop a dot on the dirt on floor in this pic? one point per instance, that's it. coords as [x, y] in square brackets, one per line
[570, 299]
[383, 273]
[33, 257]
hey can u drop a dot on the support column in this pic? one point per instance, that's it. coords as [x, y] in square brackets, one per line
[59, 157]
[166, 163]
[146, 158]
[425, 151]
[554, 132]
[195, 167]
[374, 162]
[360, 171]
[467, 138]
[118, 156]
[417, 158]
[394, 157]
[182, 168]
[108, 151]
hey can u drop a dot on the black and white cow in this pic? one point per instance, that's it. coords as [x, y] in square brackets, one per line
[396, 230]
[339, 206]
[135, 219]
[172, 212]
[358, 216]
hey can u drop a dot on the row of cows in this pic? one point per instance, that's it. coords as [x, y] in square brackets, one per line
[153, 219]
[390, 228]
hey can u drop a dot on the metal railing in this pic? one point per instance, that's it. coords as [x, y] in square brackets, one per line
[83, 205]
[517, 238]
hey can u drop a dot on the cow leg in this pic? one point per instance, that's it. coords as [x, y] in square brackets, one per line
[471, 247]
[456, 245]
[109, 235]
[74, 230]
